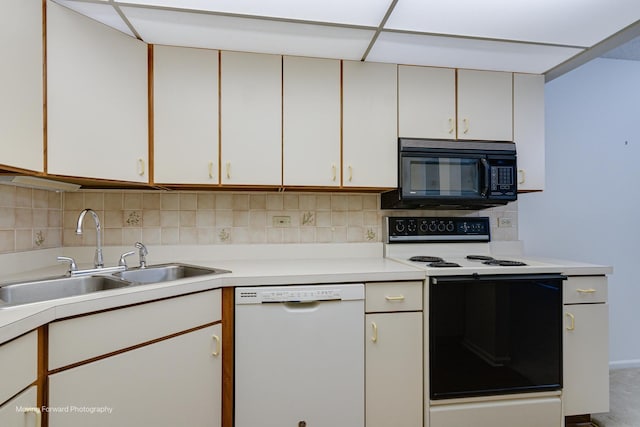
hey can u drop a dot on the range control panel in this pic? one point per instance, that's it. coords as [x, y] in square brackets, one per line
[437, 229]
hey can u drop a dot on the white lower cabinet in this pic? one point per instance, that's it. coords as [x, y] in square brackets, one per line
[533, 412]
[18, 365]
[394, 370]
[586, 355]
[22, 410]
[176, 381]
[393, 355]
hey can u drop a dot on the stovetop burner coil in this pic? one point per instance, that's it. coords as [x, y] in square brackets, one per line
[445, 264]
[504, 263]
[480, 257]
[422, 258]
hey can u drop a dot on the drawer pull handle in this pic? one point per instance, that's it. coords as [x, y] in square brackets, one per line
[394, 298]
[451, 126]
[216, 352]
[333, 173]
[35, 411]
[573, 322]
[210, 170]
[586, 291]
[374, 327]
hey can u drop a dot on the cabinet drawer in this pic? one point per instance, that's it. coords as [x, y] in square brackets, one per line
[18, 364]
[82, 338]
[585, 289]
[393, 296]
[533, 412]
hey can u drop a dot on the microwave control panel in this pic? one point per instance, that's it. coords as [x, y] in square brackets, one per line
[437, 229]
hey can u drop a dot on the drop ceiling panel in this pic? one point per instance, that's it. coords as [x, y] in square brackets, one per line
[353, 12]
[404, 48]
[101, 12]
[244, 34]
[566, 22]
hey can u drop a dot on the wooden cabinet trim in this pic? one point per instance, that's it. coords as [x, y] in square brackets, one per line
[133, 347]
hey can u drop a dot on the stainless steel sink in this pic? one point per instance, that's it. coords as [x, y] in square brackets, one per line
[165, 272]
[55, 288]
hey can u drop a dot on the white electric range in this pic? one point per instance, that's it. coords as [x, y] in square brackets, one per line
[493, 318]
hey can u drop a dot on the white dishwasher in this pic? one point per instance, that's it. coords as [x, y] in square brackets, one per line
[299, 356]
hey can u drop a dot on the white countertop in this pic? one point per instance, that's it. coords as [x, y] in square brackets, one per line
[17, 320]
[250, 265]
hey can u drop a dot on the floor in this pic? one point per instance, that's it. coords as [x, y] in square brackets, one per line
[624, 400]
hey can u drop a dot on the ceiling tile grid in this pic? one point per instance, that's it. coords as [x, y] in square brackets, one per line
[505, 35]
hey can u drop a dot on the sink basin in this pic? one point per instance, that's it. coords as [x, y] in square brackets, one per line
[62, 287]
[165, 272]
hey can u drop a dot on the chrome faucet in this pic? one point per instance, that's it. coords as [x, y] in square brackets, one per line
[142, 253]
[98, 261]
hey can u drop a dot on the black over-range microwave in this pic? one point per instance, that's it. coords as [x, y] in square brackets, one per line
[446, 174]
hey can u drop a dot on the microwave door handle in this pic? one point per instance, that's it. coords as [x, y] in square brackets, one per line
[485, 165]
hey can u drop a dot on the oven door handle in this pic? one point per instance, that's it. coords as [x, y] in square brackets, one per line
[495, 277]
[487, 168]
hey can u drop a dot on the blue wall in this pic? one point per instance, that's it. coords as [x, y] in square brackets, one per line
[590, 209]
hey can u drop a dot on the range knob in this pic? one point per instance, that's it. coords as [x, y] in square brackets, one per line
[441, 227]
[399, 226]
[433, 226]
[412, 226]
[424, 226]
[450, 227]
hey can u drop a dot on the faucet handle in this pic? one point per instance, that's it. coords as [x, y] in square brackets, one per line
[123, 261]
[72, 263]
[142, 253]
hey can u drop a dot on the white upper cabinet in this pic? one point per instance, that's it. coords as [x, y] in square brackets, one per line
[528, 130]
[185, 115]
[426, 102]
[485, 105]
[311, 120]
[21, 85]
[370, 124]
[97, 99]
[251, 118]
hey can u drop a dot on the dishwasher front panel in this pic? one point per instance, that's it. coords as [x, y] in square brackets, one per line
[300, 363]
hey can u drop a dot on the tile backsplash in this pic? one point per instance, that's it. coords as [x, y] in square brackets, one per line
[33, 219]
[29, 219]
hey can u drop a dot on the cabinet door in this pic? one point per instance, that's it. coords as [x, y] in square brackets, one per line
[528, 129]
[485, 105]
[251, 118]
[18, 364]
[586, 359]
[311, 120]
[393, 395]
[97, 99]
[426, 102]
[22, 410]
[21, 111]
[185, 115]
[369, 129]
[170, 383]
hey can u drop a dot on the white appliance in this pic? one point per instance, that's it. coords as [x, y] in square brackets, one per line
[299, 356]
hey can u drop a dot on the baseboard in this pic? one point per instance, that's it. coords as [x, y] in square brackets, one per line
[622, 364]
